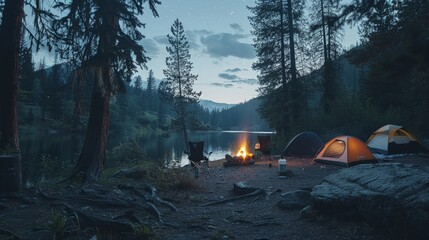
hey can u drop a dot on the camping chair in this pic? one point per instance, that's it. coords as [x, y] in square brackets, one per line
[264, 146]
[196, 155]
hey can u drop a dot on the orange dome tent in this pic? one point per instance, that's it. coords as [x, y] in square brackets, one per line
[346, 151]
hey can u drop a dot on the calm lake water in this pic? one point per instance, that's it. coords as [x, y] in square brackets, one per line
[61, 148]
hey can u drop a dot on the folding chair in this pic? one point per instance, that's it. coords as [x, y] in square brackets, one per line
[263, 145]
[196, 156]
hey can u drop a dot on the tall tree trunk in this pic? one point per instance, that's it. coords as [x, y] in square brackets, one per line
[91, 159]
[329, 41]
[294, 103]
[10, 35]
[291, 42]
[182, 118]
[185, 132]
[282, 45]
[181, 103]
[325, 53]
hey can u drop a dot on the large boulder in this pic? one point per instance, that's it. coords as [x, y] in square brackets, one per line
[394, 196]
[295, 200]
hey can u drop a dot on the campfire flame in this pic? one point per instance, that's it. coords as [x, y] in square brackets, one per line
[243, 152]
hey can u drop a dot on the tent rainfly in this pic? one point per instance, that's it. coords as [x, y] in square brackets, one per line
[394, 139]
[304, 144]
[346, 151]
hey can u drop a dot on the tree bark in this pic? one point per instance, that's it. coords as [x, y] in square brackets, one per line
[291, 42]
[91, 159]
[325, 51]
[282, 45]
[294, 84]
[10, 35]
[181, 101]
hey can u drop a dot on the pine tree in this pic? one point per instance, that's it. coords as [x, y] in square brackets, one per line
[55, 103]
[138, 85]
[105, 38]
[10, 35]
[278, 46]
[150, 91]
[43, 86]
[325, 37]
[177, 89]
[26, 70]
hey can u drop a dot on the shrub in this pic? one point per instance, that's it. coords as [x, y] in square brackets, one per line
[128, 152]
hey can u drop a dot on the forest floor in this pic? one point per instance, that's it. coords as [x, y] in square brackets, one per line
[256, 217]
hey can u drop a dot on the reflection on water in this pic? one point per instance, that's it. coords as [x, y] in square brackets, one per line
[63, 148]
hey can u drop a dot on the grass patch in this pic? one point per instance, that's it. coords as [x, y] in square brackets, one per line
[150, 172]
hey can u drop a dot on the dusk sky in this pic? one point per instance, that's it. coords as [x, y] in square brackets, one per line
[220, 41]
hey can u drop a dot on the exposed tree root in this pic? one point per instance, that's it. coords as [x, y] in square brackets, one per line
[86, 220]
[11, 234]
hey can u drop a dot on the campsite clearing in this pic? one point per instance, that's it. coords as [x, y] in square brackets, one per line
[257, 216]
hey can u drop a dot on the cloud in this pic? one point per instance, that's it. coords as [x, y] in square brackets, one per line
[236, 27]
[226, 44]
[228, 76]
[233, 70]
[194, 35]
[225, 85]
[161, 39]
[250, 81]
[236, 79]
[150, 47]
[191, 35]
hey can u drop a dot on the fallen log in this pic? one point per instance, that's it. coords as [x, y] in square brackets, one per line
[252, 194]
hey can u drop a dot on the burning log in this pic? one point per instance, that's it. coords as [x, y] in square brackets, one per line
[242, 157]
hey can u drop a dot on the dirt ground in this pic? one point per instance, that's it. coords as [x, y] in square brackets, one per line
[258, 218]
[248, 218]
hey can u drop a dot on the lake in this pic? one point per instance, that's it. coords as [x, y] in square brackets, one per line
[45, 154]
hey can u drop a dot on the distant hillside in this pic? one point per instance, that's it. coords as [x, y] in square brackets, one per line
[350, 79]
[243, 116]
[210, 105]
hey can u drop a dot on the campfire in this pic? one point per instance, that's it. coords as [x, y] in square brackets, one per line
[242, 157]
[243, 154]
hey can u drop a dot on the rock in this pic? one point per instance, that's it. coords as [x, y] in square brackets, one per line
[393, 196]
[295, 200]
[242, 188]
[306, 212]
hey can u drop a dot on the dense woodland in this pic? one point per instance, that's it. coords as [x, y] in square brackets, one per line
[49, 100]
[95, 86]
[293, 38]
